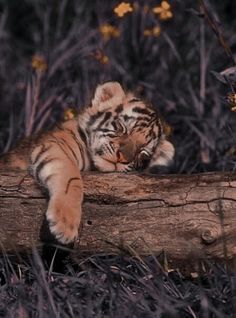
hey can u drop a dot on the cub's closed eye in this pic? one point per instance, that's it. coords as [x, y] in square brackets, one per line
[108, 133]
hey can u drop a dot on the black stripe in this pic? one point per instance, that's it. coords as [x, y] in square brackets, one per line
[82, 135]
[144, 118]
[119, 108]
[104, 130]
[142, 121]
[42, 151]
[126, 117]
[40, 167]
[160, 130]
[106, 117]
[110, 148]
[141, 110]
[79, 146]
[69, 182]
[141, 125]
[114, 124]
[151, 134]
[134, 100]
[94, 117]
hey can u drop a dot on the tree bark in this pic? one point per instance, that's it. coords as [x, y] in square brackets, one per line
[189, 217]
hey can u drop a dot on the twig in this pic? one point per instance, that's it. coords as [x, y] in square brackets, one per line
[202, 68]
[34, 100]
[213, 24]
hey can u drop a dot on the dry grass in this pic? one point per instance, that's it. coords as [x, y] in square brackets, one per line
[120, 286]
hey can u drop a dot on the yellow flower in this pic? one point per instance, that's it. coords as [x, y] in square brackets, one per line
[164, 11]
[156, 31]
[39, 63]
[104, 59]
[122, 9]
[70, 113]
[168, 130]
[101, 57]
[231, 100]
[147, 32]
[108, 31]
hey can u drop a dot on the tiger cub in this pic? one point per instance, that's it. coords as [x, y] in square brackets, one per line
[118, 132]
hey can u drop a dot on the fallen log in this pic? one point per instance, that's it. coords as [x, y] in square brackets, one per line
[189, 217]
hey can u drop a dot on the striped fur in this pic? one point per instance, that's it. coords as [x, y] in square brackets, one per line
[117, 132]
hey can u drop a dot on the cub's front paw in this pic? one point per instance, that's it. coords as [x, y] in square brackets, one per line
[64, 219]
[121, 167]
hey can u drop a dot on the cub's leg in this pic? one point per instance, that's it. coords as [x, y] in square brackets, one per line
[55, 168]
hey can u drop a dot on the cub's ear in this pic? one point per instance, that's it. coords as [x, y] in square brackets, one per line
[108, 94]
[162, 157]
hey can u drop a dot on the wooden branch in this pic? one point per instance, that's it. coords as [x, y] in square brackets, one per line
[188, 217]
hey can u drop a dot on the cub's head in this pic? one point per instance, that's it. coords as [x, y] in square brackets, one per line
[123, 132]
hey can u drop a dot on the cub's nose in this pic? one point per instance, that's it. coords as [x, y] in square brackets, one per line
[126, 152]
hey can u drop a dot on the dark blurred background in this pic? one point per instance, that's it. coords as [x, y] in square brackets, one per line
[54, 53]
